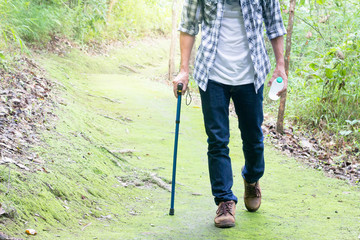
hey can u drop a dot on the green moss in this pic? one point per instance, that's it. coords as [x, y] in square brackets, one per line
[89, 192]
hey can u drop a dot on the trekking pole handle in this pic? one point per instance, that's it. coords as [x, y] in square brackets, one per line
[179, 88]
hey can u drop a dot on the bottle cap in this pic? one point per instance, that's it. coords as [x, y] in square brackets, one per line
[279, 79]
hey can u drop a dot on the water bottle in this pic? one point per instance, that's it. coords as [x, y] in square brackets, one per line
[275, 88]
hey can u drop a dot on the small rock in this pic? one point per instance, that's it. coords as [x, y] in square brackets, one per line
[3, 111]
[16, 101]
[106, 217]
[7, 211]
[196, 194]
[3, 236]
[38, 161]
[2, 211]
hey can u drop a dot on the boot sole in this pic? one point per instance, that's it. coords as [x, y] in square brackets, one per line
[252, 209]
[225, 225]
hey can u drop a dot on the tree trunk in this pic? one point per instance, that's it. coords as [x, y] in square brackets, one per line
[173, 41]
[280, 120]
[111, 5]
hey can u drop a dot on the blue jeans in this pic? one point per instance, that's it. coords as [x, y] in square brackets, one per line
[249, 109]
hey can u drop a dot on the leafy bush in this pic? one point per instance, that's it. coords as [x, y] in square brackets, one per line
[324, 85]
[137, 18]
[81, 20]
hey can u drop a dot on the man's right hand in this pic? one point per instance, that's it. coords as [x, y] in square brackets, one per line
[182, 77]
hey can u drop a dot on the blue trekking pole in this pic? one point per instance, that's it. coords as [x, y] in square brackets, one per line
[179, 92]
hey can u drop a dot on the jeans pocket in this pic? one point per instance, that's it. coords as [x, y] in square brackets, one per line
[210, 11]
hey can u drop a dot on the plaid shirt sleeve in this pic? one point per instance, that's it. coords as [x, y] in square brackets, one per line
[272, 19]
[190, 17]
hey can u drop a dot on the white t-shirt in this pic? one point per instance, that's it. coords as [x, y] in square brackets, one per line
[233, 64]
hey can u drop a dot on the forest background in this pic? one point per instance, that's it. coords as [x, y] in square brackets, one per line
[324, 78]
[323, 94]
[324, 73]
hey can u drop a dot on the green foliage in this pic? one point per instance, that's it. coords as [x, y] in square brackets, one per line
[81, 20]
[27, 22]
[88, 17]
[311, 2]
[149, 16]
[7, 31]
[324, 78]
[2, 60]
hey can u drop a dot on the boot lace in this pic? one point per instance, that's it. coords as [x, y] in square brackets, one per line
[225, 208]
[253, 190]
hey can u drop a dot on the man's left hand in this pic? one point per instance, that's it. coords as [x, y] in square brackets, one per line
[279, 72]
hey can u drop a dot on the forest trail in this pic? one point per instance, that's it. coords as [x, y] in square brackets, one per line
[131, 114]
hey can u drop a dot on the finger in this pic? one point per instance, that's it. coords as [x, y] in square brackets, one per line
[271, 81]
[284, 89]
[281, 92]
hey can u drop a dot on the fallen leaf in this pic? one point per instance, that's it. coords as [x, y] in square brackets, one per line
[30, 231]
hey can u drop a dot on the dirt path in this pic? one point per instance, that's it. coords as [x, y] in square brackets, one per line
[127, 113]
[298, 203]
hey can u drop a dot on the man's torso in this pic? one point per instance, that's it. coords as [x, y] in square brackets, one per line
[212, 14]
[233, 64]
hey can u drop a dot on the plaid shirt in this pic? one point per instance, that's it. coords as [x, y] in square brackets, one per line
[255, 12]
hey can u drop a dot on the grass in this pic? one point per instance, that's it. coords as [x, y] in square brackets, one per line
[81, 196]
[323, 89]
[35, 22]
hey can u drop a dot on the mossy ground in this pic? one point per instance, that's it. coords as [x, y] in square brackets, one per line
[106, 107]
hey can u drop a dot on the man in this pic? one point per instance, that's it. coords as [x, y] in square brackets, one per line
[232, 63]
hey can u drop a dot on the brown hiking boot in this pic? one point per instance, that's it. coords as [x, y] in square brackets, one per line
[225, 215]
[252, 196]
